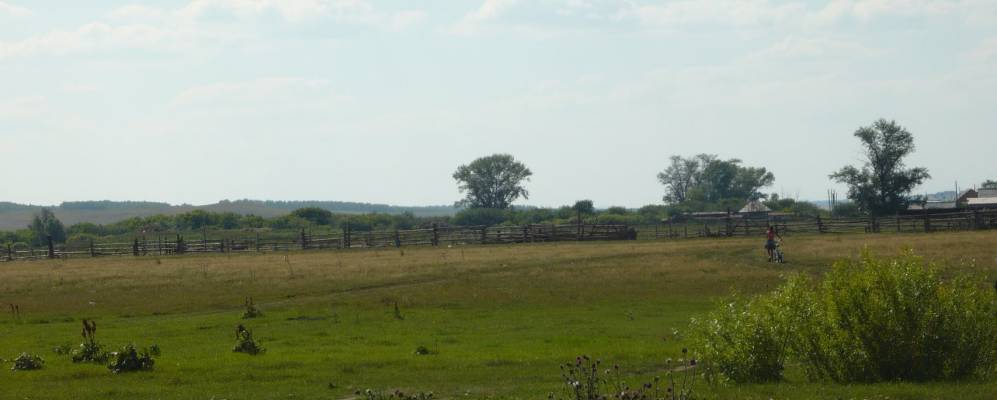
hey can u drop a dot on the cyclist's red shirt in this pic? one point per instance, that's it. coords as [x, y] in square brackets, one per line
[770, 234]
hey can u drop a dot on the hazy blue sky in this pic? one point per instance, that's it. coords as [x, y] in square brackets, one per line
[379, 101]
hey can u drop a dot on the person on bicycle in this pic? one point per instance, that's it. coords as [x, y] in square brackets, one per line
[770, 236]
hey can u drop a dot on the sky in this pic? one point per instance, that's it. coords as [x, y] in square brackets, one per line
[194, 101]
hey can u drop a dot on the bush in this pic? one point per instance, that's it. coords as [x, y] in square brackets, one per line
[584, 380]
[883, 320]
[26, 362]
[480, 216]
[742, 341]
[129, 359]
[251, 310]
[869, 320]
[90, 350]
[244, 342]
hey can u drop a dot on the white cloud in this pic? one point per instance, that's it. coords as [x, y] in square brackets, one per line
[13, 10]
[89, 37]
[817, 47]
[682, 13]
[360, 12]
[23, 107]
[487, 11]
[293, 10]
[132, 12]
[750, 13]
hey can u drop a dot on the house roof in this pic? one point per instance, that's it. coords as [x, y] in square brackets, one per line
[986, 193]
[966, 194]
[982, 201]
[754, 207]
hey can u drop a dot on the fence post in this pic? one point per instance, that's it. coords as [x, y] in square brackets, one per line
[92, 253]
[304, 240]
[927, 220]
[134, 247]
[10, 252]
[436, 235]
[51, 247]
[181, 247]
[820, 225]
[398, 239]
[484, 234]
[727, 218]
[346, 236]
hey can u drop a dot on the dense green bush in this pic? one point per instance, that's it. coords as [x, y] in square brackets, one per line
[896, 319]
[26, 362]
[128, 359]
[481, 216]
[869, 320]
[244, 342]
[743, 341]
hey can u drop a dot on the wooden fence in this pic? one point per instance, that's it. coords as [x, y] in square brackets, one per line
[730, 226]
[434, 236]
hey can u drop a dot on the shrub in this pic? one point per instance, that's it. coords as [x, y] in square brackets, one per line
[742, 341]
[891, 319]
[244, 342]
[371, 394]
[251, 310]
[584, 381]
[90, 350]
[128, 359]
[26, 362]
[869, 320]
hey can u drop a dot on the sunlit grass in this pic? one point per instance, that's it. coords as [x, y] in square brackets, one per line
[497, 320]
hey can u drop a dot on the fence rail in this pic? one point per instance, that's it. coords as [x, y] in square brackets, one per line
[729, 226]
[435, 236]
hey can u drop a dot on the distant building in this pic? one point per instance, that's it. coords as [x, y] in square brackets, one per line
[982, 202]
[967, 194]
[753, 207]
[986, 193]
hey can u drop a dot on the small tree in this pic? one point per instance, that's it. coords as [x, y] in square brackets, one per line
[881, 186]
[494, 181]
[584, 207]
[315, 215]
[45, 224]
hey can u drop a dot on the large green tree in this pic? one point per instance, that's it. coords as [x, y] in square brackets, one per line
[45, 224]
[707, 178]
[494, 181]
[883, 183]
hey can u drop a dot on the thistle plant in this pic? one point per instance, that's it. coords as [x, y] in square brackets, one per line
[251, 310]
[244, 342]
[90, 350]
[585, 382]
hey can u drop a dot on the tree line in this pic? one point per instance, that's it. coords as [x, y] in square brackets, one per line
[881, 185]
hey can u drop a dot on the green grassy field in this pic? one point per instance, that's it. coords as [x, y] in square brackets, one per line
[498, 319]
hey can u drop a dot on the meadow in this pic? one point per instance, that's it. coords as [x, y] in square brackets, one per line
[496, 321]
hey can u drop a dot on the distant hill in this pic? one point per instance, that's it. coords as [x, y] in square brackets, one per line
[17, 216]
